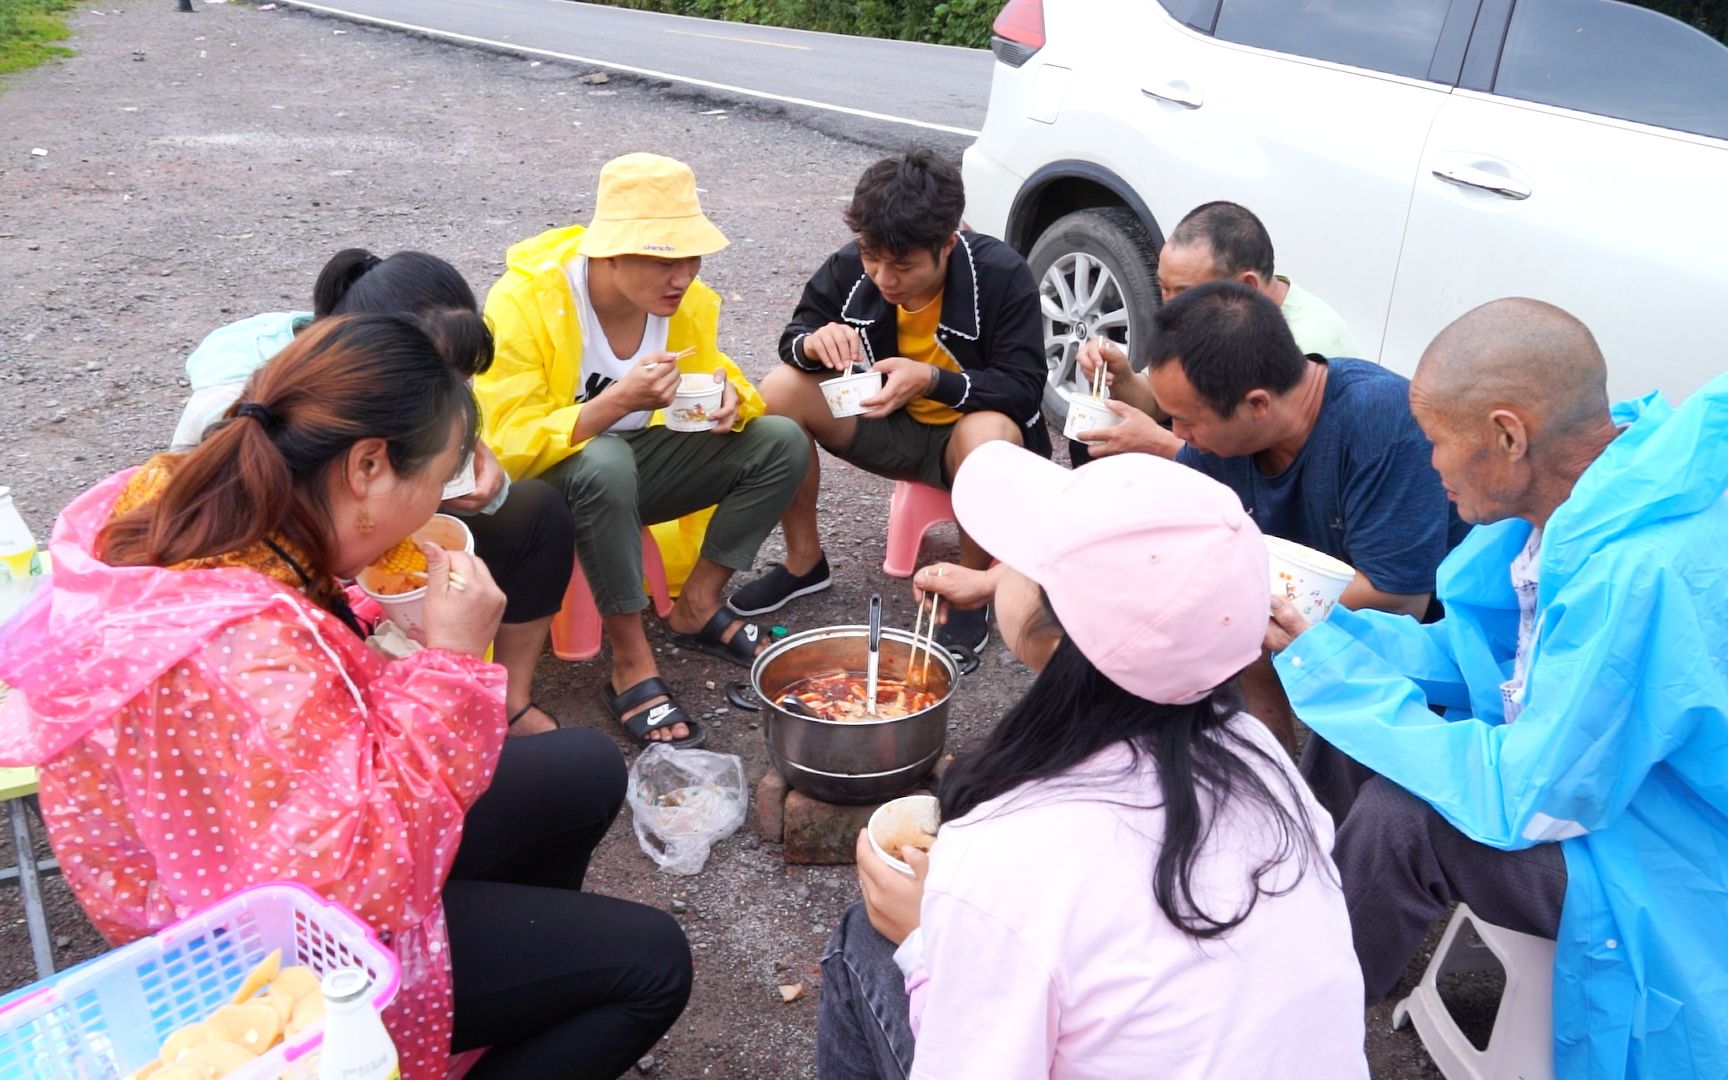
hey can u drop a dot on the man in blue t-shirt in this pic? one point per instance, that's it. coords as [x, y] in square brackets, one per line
[1323, 452]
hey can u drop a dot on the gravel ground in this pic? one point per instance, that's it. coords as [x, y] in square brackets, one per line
[201, 168]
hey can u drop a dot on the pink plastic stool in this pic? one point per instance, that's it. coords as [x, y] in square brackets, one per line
[576, 628]
[915, 510]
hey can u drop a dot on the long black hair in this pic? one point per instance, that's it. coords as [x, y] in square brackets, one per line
[1072, 711]
[356, 282]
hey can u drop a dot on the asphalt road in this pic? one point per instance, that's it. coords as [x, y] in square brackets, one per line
[865, 85]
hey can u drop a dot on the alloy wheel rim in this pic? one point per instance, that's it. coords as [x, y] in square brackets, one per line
[1079, 298]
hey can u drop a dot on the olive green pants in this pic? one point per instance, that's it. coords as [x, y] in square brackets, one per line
[618, 483]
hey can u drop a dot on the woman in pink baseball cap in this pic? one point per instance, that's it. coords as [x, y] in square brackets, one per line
[1131, 880]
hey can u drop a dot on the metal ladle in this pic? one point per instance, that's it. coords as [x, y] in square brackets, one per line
[875, 659]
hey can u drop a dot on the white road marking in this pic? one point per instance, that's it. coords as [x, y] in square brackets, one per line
[739, 40]
[649, 73]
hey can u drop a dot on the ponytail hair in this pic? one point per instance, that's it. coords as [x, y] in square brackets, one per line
[263, 469]
[463, 337]
[338, 277]
[355, 282]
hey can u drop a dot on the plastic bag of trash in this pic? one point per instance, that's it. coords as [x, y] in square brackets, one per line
[684, 802]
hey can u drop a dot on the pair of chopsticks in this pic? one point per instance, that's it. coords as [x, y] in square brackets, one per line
[927, 640]
[1098, 378]
[683, 355]
[455, 578]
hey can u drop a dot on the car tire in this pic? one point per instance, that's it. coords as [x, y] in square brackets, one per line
[1110, 240]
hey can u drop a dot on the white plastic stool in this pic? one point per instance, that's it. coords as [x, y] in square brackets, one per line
[1521, 1046]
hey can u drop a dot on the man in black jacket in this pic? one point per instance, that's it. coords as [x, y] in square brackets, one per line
[949, 318]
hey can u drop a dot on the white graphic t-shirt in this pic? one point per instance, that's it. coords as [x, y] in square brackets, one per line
[601, 367]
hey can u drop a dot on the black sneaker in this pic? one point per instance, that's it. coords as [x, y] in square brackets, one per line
[965, 629]
[772, 590]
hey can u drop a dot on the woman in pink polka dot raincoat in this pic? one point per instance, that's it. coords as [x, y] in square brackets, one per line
[207, 716]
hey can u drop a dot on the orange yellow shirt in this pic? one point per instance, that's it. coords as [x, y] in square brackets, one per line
[918, 342]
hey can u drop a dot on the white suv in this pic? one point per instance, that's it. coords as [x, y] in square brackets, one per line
[1410, 158]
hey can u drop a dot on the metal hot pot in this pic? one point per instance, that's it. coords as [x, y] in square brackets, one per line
[852, 762]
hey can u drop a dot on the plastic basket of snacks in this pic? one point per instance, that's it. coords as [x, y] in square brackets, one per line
[230, 992]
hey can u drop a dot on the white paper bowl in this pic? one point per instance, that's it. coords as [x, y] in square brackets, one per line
[462, 484]
[408, 610]
[898, 822]
[1312, 580]
[846, 394]
[1087, 413]
[698, 399]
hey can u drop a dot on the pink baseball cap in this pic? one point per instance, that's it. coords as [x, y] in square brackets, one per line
[1154, 569]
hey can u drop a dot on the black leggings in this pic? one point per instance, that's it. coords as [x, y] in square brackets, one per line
[529, 544]
[558, 982]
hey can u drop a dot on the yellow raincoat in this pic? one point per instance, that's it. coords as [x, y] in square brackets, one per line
[528, 396]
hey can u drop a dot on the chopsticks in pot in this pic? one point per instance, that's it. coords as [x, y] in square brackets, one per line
[926, 640]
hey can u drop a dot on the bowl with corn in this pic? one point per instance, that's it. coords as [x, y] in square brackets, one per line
[397, 578]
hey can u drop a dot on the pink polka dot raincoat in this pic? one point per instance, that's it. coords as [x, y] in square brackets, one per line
[199, 731]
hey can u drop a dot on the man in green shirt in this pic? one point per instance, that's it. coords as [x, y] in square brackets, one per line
[1223, 240]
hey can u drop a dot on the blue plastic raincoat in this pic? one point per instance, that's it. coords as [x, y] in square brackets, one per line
[1621, 752]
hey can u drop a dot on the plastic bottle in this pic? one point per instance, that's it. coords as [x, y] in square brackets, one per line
[356, 1046]
[17, 546]
[21, 570]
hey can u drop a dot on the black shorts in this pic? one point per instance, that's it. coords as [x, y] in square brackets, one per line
[900, 448]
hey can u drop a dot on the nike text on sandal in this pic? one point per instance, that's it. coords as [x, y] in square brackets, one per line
[665, 714]
[711, 639]
[775, 588]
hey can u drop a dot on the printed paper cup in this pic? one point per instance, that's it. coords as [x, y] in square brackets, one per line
[1312, 580]
[911, 820]
[1087, 413]
[698, 399]
[462, 484]
[408, 610]
[846, 394]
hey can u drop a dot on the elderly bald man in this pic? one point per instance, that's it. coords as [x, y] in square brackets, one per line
[1577, 786]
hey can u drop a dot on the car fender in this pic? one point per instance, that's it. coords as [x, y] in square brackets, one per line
[1064, 186]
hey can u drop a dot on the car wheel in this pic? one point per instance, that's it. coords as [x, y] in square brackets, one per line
[1097, 273]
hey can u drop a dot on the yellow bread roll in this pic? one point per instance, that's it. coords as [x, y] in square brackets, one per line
[214, 1060]
[297, 982]
[282, 1003]
[253, 1026]
[259, 977]
[177, 1045]
[307, 1011]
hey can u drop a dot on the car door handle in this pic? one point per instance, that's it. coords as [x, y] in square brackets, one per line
[1472, 176]
[1176, 93]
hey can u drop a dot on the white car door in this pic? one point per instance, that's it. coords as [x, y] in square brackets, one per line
[1585, 167]
[1313, 115]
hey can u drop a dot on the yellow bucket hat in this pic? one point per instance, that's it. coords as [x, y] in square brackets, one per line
[647, 205]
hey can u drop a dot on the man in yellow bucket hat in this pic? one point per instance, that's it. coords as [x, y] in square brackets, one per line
[596, 329]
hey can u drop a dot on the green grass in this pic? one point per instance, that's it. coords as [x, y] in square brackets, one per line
[28, 31]
[947, 22]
